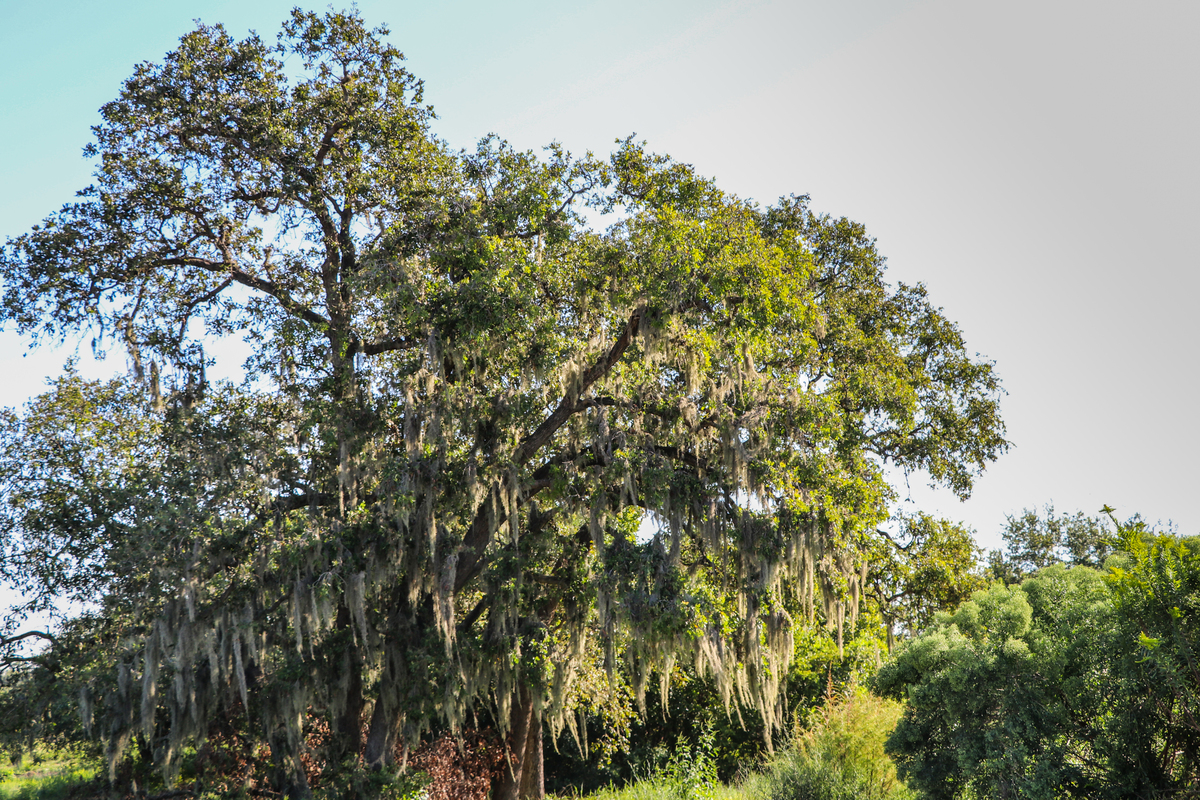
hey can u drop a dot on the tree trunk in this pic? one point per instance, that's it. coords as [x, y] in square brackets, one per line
[289, 778]
[298, 789]
[380, 737]
[533, 778]
[348, 727]
[523, 777]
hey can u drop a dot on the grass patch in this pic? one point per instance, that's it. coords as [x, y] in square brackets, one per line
[46, 776]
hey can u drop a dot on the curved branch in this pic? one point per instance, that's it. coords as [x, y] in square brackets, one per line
[290, 304]
[386, 346]
[7, 640]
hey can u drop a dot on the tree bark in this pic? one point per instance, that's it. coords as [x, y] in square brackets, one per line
[533, 778]
[523, 777]
[378, 748]
[348, 731]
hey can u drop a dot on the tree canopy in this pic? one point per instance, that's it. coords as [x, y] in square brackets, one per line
[476, 376]
[1034, 541]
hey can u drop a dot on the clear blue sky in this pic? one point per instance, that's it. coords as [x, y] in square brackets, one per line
[1034, 163]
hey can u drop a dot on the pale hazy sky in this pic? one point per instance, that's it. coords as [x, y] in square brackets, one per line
[1033, 163]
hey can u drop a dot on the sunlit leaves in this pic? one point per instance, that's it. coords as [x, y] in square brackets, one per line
[474, 374]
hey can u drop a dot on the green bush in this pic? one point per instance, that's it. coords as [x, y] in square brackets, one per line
[1074, 684]
[839, 757]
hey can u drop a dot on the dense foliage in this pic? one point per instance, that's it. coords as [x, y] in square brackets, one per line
[425, 505]
[1157, 594]
[1074, 683]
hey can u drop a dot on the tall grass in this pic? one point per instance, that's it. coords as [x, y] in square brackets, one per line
[689, 773]
[655, 789]
[839, 757]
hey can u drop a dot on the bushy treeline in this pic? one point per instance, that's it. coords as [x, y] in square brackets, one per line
[1076, 682]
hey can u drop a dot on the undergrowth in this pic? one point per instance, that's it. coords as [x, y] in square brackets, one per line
[838, 755]
[688, 773]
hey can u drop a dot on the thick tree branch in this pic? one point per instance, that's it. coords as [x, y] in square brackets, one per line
[470, 561]
[677, 454]
[297, 501]
[263, 285]
[386, 346]
[327, 141]
[570, 401]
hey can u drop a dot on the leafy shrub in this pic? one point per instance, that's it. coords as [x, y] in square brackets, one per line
[1072, 684]
[839, 757]
[692, 771]
[357, 782]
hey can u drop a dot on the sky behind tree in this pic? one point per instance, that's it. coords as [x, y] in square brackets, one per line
[1033, 163]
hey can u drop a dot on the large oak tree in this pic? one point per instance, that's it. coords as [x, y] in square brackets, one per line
[476, 375]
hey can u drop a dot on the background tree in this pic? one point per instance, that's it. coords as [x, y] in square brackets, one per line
[1156, 582]
[424, 500]
[930, 565]
[1003, 696]
[1053, 688]
[1037, 540]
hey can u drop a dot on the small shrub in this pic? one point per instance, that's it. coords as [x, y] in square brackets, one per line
[839, 757]
[354, 781]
